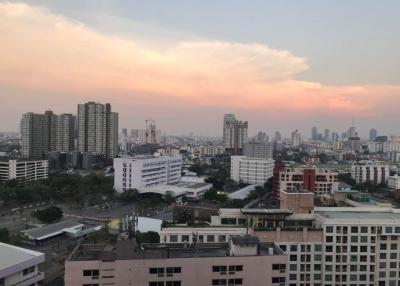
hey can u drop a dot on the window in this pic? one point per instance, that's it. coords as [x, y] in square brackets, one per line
[173, 238]
[329, 229]
[2, 283]
[185, 238]
[280, 267]
[156, 283]
[364, 229]
[210, 238]
[93, 273]
[173, 283]
[236, 281]
[221, 238]
[354, 229]
[278, 279]
[29, 270]
[293, 248]
[219, 282]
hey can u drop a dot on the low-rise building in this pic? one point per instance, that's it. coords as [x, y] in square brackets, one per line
[319, 181]
[24, 170]
[19, 266]
[146, 171]
[394, 182]
[242, 261]
[370, 172]
[298, 201]
[251, 170]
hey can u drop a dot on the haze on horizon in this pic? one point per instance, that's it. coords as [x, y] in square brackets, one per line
[281, 65]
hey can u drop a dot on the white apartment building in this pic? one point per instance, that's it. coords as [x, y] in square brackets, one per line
[394, 182]
[19, 266]
[319, 181]
[258, 150]
[142, 172]
[251, 170]
[24, 170]
[373, 173]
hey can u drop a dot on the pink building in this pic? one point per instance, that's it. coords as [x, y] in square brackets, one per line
[243, 261]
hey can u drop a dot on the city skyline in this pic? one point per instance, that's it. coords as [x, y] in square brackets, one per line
[176, 71]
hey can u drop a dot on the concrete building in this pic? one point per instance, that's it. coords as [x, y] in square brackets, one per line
[146, 171]
[48, 132]
[316, 180]
[200, 234]
[24, 170]
[298, 201]
[373, 133]
[234, 134]
[19, 266]
[394, 182]
[242, 261]
[296, 138]
[258, 150]
[65, 133]
[251, 170]
[373, 173]
[98, 129]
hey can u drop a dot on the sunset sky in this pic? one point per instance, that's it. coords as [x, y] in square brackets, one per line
[281, 65]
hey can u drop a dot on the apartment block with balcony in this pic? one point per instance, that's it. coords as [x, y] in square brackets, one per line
[251, 170]
[24, 170]
[373, 173]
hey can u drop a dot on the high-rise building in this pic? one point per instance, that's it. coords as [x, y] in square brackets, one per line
[34, 135]
[373, 133]
[278, 136]
[326, 134]
[234, 134]
[314, 133]
[98, 129]
[65, 133]
[296, 138]
[261, 137]
[43, 133]
[228, 118]
[335, 137]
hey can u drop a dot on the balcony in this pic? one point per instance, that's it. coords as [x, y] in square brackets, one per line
[31, 280]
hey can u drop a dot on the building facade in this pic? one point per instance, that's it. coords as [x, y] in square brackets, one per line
[242, 261]
[258, 150]
[146, 171]
[316, 180]
[98, 129]
[251, 170]
[24, 170]
[394, 182]
[19, 266]
[234, 134]
[373, 173]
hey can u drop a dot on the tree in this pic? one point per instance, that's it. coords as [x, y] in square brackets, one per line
[130, 195]
[49, 215]
[4, 235]
[169, 197]
[147, 237]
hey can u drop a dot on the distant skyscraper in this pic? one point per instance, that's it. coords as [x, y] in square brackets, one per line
[261, 137]
[335, 136]
[228, 118]
[296, 138]
[124, 139]
[326, 134]
[98, 129]
[314, 133]
[278, 136]
[43, 133]
[373, 133]
[352, 132]
[152, 135]
[234, 134]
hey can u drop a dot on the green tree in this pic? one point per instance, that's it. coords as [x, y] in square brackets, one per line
[49, 215]
[147, 237]
[4, 235]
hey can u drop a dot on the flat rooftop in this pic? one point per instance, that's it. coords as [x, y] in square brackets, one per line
[11, 255]
[51, 229]
[361, 215]
[129, 250]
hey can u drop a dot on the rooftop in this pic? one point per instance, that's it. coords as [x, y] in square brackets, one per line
[361, 215]
[128, 249]
[51, 229]
[266, 211]
[12, 255]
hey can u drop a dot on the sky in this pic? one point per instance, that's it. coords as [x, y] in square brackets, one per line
[281, 65]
